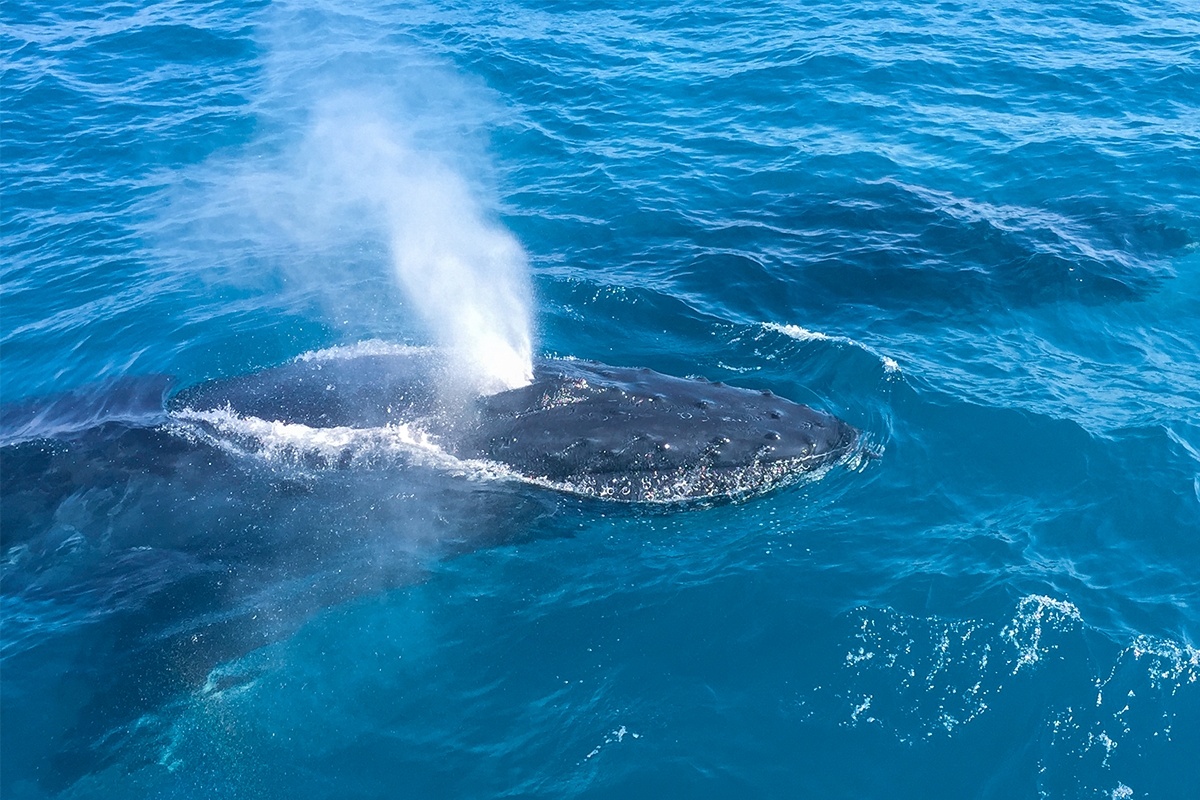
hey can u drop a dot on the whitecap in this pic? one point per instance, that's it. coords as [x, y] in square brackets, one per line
[800, 334]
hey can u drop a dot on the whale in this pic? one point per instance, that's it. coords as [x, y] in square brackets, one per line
[618, 433]
[581, 427]
[179, 528]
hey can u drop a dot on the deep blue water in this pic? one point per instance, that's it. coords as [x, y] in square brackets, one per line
[970, 229]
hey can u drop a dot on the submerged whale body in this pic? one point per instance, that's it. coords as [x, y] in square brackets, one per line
[185, 529]
[591, 429]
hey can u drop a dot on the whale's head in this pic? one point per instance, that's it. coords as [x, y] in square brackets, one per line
[639, 435]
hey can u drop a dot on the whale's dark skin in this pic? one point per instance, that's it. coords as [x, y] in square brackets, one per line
[612, 432]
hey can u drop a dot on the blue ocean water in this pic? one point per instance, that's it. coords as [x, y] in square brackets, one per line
[970, 229]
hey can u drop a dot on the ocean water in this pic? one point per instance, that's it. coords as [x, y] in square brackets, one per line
[969, 229]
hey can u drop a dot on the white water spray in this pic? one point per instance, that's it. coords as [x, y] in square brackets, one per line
[367, 186]
[371, 166]
[463, 273]
[467, 277]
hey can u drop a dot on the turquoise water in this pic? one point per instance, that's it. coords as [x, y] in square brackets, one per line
[969, 229]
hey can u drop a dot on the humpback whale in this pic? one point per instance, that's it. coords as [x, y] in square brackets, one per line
[617, 433]
[186, 527]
